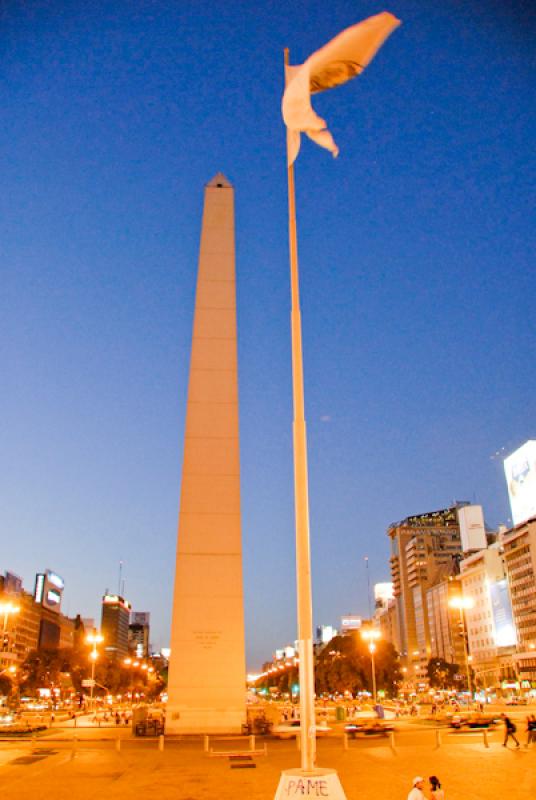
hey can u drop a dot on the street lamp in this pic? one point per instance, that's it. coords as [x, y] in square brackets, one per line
[6, 609]
[93, 639]
[462, 604]
[371, 636]
[11, 670]
[131, 665]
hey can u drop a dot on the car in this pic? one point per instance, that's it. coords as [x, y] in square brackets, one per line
[376, 728]
[286, 730]
[473, 721]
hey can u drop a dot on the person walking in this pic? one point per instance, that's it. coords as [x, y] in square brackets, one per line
[416, 792]
[509, 730]
[531, 729]
[436, 792]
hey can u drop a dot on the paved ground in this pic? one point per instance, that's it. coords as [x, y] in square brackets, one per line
[96, 769]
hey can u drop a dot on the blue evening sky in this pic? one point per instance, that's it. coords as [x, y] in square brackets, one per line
[418, 290]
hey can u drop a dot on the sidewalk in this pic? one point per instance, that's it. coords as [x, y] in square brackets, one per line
[184, 772]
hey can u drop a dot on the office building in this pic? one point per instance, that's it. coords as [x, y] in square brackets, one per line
[114, 625]
[490, 630]
[425, 549]
[446, 633]
[520, 561]
[138, 633]
[38, 623]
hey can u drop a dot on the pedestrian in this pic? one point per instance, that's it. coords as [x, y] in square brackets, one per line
[509, 730]
[436, 792]
[531, 729]
[416, 792]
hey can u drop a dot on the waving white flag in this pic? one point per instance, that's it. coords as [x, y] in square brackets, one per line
[338, 61]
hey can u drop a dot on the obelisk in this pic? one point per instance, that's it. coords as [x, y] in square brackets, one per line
[207, 681]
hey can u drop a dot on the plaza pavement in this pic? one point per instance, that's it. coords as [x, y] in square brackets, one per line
[96, 769]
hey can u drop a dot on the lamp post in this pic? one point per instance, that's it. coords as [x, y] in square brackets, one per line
[6, 609]
[371, 636]
[93, 639]
[462, 604]
[131, 665]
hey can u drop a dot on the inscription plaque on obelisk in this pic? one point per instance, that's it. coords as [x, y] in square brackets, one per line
[206, 686]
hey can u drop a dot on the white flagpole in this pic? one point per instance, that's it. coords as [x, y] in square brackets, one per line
[301, 501]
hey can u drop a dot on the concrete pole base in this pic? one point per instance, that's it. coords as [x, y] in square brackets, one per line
[319, 782]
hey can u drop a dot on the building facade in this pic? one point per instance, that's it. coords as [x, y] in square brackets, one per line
[490, 631]
[114, 625]
[446, 634]
[520, 561]
[425, 549]
[138, 633]
[37, 623]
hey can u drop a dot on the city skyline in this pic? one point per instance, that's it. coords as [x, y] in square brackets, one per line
[417, 287]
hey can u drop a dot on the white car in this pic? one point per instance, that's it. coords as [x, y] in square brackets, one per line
[286, 730]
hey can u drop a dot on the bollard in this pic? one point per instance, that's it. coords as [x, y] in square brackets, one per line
[485, 735]
[118, 744]
[161, 743]
[438, 737]
[392, 740]
[205, 744]
[252, 742]
[345, 741]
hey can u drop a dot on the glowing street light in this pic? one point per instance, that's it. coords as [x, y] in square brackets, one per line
[93, 639]
[462, 604]
[131, 665]
[371, 636]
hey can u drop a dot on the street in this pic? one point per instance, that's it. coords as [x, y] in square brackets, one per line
[88, 762]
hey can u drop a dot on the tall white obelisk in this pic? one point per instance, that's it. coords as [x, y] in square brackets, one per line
[207, 681]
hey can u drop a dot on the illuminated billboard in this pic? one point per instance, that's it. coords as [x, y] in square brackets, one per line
[53, 598]
[520, 471]
[504, 632]
[472, 529]
[48, 590]
[55, 580]
[39, 587]
[351, 622]
[383, 592]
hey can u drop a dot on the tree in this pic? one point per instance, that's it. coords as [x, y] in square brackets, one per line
[6, 685]
[345, 665]
[441, 673]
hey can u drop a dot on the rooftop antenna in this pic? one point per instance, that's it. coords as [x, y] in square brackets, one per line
[120, 577]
